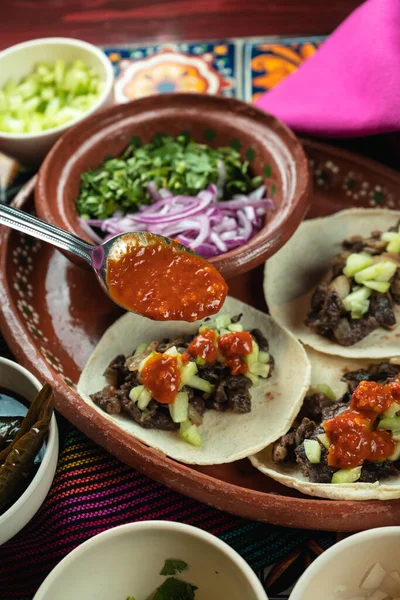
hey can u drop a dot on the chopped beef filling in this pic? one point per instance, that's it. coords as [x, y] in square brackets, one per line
[328, 316]
[317, 408]
[231, 392]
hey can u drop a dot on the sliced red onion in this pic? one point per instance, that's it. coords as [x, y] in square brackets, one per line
[153, 191]
[203, 223]
[89, 231]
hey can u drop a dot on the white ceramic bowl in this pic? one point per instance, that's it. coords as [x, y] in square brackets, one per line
[16, 378]
[126, 561]
[346, 563]
[19, 60]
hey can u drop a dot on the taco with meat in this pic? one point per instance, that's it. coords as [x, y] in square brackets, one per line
[336, 284]
[345, 441]
[202, 393]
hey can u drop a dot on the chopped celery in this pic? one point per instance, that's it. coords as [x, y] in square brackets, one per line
[252, 358]
[393, 240]
[55, 92]
[313, 451]
[144, 398]
[346, 475]
[187, 371]
[323, 438]
[378, 286]
[390, 423]
[263, 357]
[392, 410]
[357, 302]
[190, 433]
[179, 408]
[223, 321]
[357, 262]
[199, 384]
[380, 271]
[260, 369]
[234, 327]
[323, 388]
[141, 348]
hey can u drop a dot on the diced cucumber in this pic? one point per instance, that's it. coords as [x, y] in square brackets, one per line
[200, 361]
[223, 331]
[341, 286]
[263, 357]
[141, 348]
[323, 438]
[380, 271]
[187, 372]
[357, 302]
[179, 408]
[260, 369]
[198, 383]
[252, 358]
[390, 424]
[392, 410]
[396, 453]
[144, 361]
[223, 321]
[208, 325]
[347, 475]
[323, 388]
[378, 286]
[144, 398]
[393, 240]
[253, 378]
[235, 327]
[135, 393]
[313, 451]
[172, 351]
[357, 262]
[190, 433]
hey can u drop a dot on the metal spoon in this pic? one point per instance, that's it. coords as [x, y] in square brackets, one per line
[96, 256]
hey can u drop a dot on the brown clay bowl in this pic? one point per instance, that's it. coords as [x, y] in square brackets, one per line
[271, 148]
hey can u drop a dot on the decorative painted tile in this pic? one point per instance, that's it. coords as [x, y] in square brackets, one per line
[266, 63]
[205, 68]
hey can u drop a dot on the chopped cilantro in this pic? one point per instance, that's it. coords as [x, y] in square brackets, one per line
[174, 589]
[172, 567]
[178, 164]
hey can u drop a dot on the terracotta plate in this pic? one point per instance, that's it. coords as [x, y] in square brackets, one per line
[53, 313]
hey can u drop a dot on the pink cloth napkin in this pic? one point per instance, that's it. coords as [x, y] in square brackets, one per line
[351, 85]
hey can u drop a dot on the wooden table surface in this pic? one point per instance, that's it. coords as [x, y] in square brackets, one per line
[109, 22]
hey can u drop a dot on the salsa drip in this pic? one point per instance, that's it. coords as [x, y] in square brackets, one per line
[353, 434]
[162, 281]
[230, 348]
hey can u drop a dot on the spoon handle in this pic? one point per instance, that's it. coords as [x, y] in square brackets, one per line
[27, 223]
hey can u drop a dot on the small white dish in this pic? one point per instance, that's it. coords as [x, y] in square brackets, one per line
[15, 378]
[126, 561]
[18, 61]
[346, 563]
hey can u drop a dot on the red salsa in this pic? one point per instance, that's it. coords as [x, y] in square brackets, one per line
[162, 282]
[204, 346]
[234, 347]
[231, 347]
[161, 376]
[352, 434]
